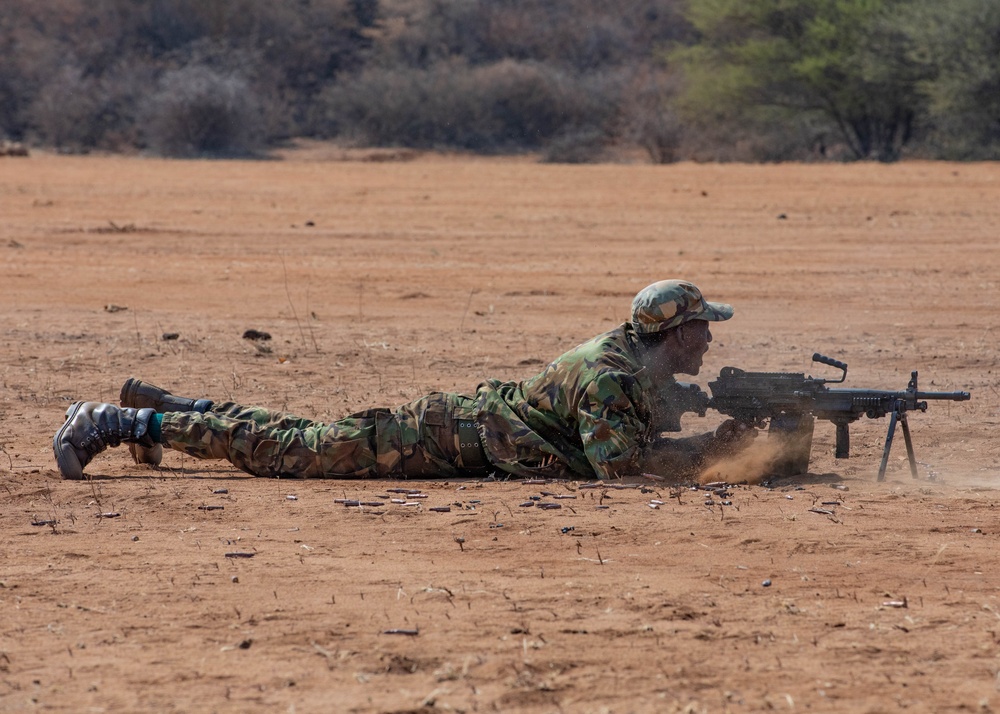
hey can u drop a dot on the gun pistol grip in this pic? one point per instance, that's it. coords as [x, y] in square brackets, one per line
[843, 441]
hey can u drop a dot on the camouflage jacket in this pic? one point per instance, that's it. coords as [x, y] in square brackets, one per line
[591, 412]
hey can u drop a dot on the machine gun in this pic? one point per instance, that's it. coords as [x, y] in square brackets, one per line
[792, 402]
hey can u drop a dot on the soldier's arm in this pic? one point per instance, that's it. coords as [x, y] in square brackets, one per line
[610, 427]
[676, 458]
[685, 457]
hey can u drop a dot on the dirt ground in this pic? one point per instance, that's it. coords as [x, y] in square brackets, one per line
[380, 280]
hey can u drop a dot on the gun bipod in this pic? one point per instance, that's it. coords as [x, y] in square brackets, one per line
[898, 415]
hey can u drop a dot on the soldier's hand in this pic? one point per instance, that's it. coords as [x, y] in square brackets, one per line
[733, 435]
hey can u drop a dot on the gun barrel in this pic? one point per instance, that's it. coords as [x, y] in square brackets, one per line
[952, 396]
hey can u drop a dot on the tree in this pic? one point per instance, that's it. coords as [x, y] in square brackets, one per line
[959, 44]
[788, 60]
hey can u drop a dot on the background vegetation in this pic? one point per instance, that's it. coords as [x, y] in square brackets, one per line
[576, 80]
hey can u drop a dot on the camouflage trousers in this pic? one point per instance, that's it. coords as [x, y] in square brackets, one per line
[419, 439]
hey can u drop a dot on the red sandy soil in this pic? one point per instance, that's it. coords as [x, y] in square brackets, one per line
[382, 280]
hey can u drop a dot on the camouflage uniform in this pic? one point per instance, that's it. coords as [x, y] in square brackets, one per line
[417, 439]
[592, 412]
[595, 411]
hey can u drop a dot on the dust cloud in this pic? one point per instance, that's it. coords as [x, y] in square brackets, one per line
[751, 465]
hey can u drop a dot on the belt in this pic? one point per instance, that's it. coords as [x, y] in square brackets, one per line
[471, 451]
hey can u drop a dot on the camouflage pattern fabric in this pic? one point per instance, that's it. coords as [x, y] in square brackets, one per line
[592, 412]
[418, 439]
[669, 303]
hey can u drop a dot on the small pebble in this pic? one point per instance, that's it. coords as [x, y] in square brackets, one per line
[766, 583]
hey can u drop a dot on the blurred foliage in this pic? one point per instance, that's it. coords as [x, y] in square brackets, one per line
[958, 44]
[758, 80]
[785, 61]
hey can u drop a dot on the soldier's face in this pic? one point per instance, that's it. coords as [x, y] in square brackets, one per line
[693, 338]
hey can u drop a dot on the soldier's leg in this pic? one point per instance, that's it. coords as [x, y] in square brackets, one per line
[433, 436]
[136, 394]
[263, 418]
[273, 444]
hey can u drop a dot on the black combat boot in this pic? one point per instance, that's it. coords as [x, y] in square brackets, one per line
[137, 394]
[92, 427]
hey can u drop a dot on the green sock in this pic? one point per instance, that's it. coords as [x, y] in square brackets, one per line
[154, 427]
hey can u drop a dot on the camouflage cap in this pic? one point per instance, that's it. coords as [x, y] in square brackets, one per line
[670, 303]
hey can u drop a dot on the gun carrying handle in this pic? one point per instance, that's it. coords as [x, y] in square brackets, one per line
[823, 359]
[843, 440]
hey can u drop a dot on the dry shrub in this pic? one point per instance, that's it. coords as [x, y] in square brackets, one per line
[585, 35]
[505, 105]
[63, 112]
[583, 145]
[76, 112]
[648, 118]
[200, 111]
[760, 140]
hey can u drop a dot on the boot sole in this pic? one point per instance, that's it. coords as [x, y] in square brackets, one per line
[129, 397]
